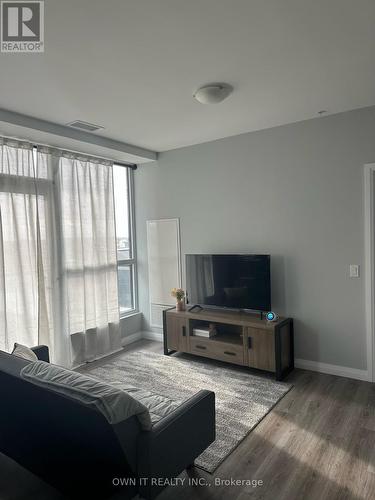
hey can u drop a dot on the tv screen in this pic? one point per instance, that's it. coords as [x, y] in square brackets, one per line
[232, 281]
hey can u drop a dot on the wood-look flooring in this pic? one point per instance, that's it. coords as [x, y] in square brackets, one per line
[318, 443]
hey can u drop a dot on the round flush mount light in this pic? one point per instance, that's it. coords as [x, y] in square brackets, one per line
[213, 93]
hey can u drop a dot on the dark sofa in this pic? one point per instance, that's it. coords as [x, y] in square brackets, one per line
[72, 446]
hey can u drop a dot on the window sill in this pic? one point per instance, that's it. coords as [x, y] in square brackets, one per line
[129, 314]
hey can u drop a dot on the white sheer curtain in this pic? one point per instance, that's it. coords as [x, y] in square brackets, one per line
[58, 268]
[89, 256]
[26, 255]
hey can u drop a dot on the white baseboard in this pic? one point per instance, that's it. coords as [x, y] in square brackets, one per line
[143, 334]
[148, 335]
[129, 339]
[340, 371]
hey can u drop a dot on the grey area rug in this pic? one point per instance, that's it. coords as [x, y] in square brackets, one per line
[242, 399]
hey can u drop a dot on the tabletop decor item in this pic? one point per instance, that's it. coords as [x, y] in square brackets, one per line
[179, 295]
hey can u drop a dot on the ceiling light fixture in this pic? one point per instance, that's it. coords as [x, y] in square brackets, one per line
[213, 93]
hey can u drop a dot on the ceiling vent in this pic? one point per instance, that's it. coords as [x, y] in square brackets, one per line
[87, 127]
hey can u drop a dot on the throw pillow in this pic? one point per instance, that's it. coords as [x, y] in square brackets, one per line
[24, 352]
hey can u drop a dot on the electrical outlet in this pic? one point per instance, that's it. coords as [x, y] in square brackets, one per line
[354, 271]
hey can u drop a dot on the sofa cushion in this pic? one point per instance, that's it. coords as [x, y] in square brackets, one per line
[158, 406]
[24, 352]
[115, 404]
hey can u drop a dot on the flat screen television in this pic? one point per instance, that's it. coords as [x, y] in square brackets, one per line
[230, 281]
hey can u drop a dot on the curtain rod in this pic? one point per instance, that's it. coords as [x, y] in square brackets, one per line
[133, 166]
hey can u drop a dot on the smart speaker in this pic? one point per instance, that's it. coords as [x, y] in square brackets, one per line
[271, 316]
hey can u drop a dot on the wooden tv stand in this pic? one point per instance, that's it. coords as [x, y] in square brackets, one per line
[243, 339]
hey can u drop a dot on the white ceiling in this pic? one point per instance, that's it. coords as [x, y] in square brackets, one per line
[133, 65]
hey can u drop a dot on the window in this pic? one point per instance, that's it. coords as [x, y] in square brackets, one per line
[123, 183]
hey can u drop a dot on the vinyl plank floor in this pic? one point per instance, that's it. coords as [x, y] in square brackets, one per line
[318, 443]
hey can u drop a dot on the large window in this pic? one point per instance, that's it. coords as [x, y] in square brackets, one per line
[123, 183]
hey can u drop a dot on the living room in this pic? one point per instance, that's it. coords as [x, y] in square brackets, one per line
[187, 267]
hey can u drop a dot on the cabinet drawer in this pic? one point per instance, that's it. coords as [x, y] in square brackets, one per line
[221, 351]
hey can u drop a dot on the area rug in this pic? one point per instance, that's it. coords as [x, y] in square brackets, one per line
[242, 398]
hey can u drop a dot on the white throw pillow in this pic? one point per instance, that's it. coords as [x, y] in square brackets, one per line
[24, 352]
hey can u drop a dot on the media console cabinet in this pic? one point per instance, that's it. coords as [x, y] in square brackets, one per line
[243, 339]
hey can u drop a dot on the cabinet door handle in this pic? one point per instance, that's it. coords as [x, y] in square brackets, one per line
[250, 342]
[184, 331]
[203, 347]
[230, 353]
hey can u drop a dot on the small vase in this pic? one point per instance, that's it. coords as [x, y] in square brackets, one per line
[180, 305]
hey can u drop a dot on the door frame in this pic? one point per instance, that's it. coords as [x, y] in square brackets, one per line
[369, 274]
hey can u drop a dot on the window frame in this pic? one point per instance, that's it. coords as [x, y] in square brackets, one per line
[132, 262]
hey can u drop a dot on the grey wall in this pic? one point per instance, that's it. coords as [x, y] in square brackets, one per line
[130, 324]
[295, 192]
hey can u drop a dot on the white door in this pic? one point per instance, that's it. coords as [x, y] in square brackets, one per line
[164, 265]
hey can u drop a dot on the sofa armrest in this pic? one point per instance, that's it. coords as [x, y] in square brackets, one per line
[42, 352]
[175, 441]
